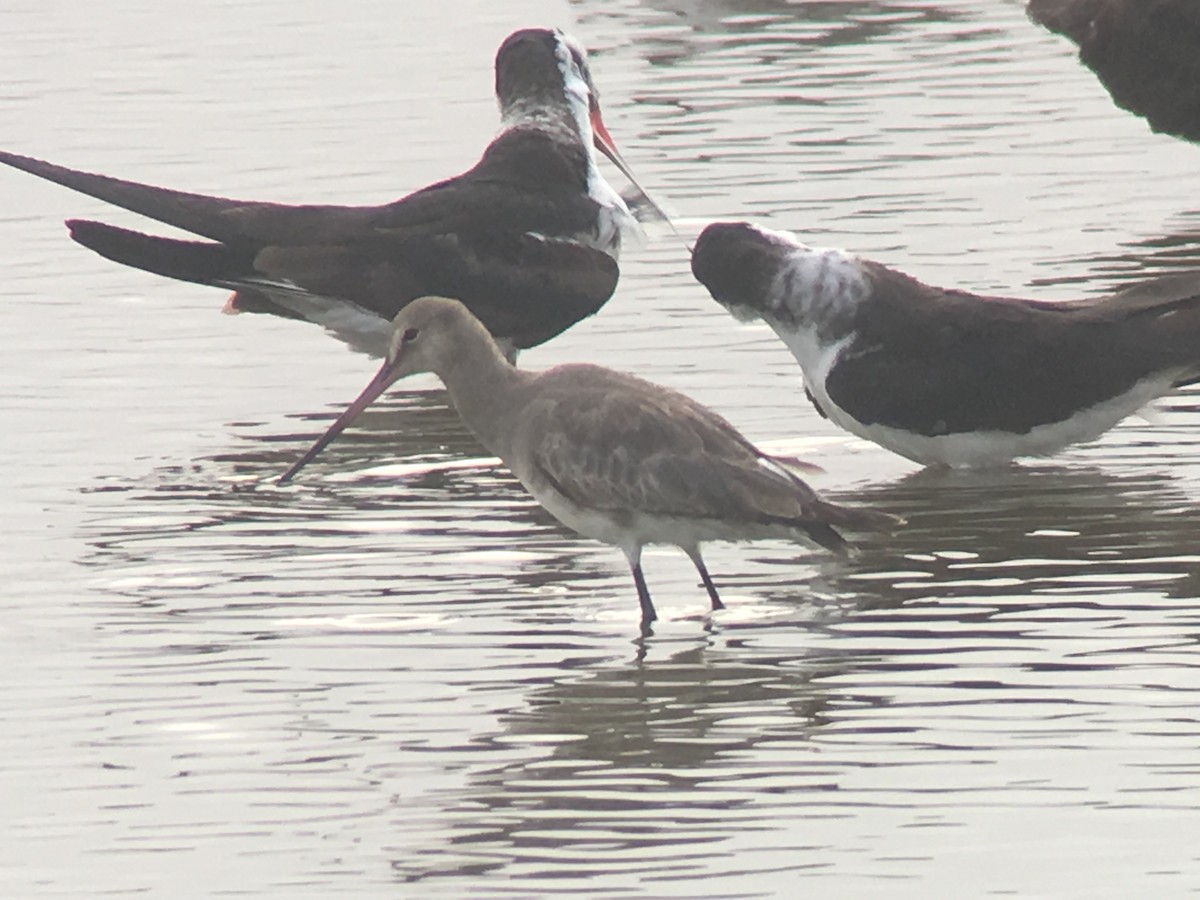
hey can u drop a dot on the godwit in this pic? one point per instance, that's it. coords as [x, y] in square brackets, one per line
[609, 455]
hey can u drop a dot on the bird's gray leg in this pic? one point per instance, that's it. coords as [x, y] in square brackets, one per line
[648, 613]
[694, 554]
[634, 555]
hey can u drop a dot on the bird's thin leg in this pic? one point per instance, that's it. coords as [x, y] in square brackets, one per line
[635, 564]
[648, 613]
[694, 554]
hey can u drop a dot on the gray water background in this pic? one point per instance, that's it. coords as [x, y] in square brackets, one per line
[400, 677]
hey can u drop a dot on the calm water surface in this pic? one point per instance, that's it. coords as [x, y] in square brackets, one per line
[400, 677]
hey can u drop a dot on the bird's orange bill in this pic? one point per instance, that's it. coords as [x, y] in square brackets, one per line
[380, 383]
[606, 145]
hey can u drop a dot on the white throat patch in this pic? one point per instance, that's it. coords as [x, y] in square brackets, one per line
[615, 218]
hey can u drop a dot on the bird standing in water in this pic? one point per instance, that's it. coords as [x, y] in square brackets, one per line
[609, 455]
[528, 238]
[945, 377]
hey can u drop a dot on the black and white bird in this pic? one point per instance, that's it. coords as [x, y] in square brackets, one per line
[528, 238]
[609, 455]
[945, 377]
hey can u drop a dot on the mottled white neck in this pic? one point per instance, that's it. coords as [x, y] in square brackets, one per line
[615, 218]
[816, 288]
[569, 121]
[531, 114]
[575, 90]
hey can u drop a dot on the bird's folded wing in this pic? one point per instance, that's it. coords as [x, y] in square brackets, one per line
[617, 452]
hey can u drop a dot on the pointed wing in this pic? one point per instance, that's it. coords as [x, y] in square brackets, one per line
[510, 254]
[217, 218]
[478, 238]
[450, 206]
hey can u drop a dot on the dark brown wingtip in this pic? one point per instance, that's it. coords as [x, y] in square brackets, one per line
[861, 518]
[87, 232]
[201, 262]
[30, 164]
[851, 518]
[825, 535]
[877, 520]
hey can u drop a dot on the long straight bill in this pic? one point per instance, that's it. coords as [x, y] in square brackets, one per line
[381, 382]
[606, 145]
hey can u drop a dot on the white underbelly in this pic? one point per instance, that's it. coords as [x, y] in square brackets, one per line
[991, 448]
[358, 328]
[361, 329]
[975, 448]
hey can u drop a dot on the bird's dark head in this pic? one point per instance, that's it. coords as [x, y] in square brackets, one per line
[757, 273]
[543, 82]
[543, 70]
[739, 264]
[527, 66]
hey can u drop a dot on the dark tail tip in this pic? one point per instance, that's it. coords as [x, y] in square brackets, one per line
[203, 262]
[876, 520]
[859, 518]
[854, 518]
[825, 535]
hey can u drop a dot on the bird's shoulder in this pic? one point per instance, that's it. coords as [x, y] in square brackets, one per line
[533, 184]
[609, 439]
[595, 402]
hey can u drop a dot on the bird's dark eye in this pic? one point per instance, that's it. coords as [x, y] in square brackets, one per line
[410, 334]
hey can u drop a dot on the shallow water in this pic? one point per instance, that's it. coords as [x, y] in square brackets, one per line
[399, 677]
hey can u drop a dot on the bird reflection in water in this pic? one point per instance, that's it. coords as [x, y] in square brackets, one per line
[639, 757]
[1025, 534]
